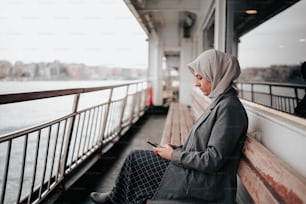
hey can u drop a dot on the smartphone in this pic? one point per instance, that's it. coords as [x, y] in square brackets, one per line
[152, 143]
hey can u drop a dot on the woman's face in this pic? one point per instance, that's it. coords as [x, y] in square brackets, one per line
[203, 84]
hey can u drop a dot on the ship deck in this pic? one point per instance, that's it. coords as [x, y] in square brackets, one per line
[102, 175]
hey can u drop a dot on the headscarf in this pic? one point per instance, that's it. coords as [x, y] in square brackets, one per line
[220, 68]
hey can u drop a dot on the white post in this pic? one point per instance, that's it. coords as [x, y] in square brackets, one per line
[220, 25]
[155, 69]
[186, 78]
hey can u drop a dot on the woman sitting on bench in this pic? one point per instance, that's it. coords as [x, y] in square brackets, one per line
[203, 170]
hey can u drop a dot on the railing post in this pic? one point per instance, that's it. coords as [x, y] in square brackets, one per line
[145, 92]
[296, 95]
[7, 164]
[143, 97]
[133, 108]
[123, 108]
[64, 157]
[138, 99]
[241, 89]
[252, 92]
[270, 92]
[106, 114]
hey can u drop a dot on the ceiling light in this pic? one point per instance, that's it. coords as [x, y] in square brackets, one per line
[251, 11]
[302, 39]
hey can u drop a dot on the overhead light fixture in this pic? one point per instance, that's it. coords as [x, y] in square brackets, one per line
[251, 11]
[302, 39]
[281, 46]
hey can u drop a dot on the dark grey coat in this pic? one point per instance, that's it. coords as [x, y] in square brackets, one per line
[204, 169]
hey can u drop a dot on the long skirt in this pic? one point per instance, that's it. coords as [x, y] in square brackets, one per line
[139, 177]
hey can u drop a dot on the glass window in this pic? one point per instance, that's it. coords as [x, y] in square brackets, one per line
[280, 41]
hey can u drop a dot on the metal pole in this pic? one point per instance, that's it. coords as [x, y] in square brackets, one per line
[241, 85]
[7, 164]
[23, 167]
[252, 92]
[123, 108]
[296, 95]
[70, 131]
[106, 114]
[270, 92]
[45, 164]
[132, 108]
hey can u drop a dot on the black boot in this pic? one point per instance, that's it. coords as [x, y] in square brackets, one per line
[101, 198]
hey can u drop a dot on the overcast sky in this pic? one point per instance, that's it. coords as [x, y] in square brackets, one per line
[104, 32]
[94, 32]
[281, 40]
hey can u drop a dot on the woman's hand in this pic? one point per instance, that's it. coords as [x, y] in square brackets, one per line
[164, 151]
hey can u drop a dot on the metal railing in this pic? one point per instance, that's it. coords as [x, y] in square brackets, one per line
[41, 156]
[279, 96]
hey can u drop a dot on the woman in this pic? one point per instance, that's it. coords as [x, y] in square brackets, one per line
[203, 170]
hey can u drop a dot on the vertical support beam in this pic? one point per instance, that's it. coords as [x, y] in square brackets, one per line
[220, 24]
[230, 42]
[186, 78]
[155, 68]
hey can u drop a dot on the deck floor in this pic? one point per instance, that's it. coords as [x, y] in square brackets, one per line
[102, 175]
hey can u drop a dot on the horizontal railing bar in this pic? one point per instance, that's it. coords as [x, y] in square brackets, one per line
[19, 133]
[20, 97]
[273, 84]
[34, 128]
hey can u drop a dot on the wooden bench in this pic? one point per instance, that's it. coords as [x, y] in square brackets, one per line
[264, 177]
[178, 123]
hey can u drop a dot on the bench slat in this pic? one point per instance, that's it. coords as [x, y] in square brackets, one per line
[175, 133]
[287, 182]
[254, 184]
[168, 127]
[178, 124]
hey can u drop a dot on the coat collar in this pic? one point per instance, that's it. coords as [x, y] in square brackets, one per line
[229, 91]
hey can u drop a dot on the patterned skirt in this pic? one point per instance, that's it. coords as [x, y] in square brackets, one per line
[139, 177]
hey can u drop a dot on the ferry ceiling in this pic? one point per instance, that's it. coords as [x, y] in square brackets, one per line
[178, 30]
[247, 14]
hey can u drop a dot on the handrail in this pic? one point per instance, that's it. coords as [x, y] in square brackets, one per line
[271, 97]
[292, 85]
[51, 150]
[19, 97]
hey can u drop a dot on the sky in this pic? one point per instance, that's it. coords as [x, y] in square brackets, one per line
[104, 32]
[280, 40]
[93, 32]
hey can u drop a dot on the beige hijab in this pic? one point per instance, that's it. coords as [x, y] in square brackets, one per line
[220, 68]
